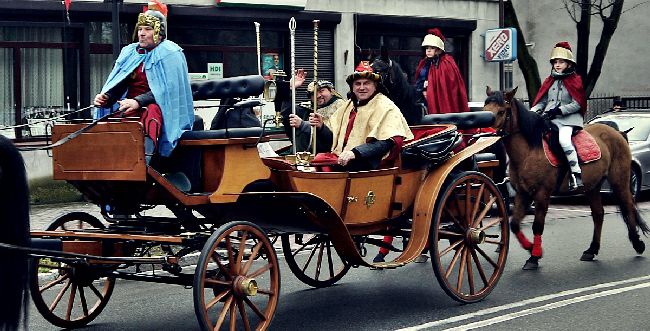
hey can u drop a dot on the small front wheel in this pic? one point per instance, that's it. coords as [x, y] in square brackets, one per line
[70, 296]
[469, 237]
[237, 279]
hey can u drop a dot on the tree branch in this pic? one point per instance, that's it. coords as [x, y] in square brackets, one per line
[609, 27]
[526, 62]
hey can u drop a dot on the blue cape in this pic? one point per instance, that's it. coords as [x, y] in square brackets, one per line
[168, 79]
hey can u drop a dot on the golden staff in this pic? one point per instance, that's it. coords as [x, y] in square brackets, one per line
[313, 127]
[259, 48]
[292, 32]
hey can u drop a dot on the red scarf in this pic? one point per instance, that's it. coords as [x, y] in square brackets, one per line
[573, 84]
[446, 91]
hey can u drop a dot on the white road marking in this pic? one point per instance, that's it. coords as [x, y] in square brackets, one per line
[546, 307]
[588, 211]
[523, 303]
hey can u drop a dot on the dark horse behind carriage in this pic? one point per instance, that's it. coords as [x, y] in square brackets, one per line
[14, 221]
[534, 178]
[400, 91]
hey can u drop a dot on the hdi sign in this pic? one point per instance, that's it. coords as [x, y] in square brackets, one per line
[500, 45]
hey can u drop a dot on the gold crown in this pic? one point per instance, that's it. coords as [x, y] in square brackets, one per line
[150, 21]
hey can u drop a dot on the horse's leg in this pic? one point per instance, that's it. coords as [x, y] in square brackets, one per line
[541, 207]
[619, 180]
[518, 214]
[597, 214]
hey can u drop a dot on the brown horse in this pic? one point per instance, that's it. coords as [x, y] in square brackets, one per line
[535, 179]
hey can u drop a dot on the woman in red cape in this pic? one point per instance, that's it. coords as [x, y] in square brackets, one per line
[438, 78]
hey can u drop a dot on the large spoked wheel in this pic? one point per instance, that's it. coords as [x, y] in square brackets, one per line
[314, 260]
[70, 296]
[469, 237]
[237, 279]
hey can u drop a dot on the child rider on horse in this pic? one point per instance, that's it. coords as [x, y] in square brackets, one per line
[562, 101]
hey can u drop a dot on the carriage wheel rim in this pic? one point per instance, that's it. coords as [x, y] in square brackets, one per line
[240, 289]
[75, 304]
[468, 247]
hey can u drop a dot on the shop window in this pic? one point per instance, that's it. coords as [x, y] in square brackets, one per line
[197, 61]
[102, 33]
[42, 74]
[407, 51]
[238, 64]
[34, 34]
[100, 67]
[7, 113]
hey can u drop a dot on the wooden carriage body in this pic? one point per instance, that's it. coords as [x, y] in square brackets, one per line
[226, 198]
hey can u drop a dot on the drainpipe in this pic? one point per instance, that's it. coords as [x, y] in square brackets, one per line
[501, 23]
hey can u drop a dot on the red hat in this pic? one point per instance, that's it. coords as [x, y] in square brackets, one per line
[363, 66]
[363, 70]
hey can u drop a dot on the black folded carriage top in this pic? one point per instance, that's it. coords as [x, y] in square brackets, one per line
[233, 87]
[469, 120]
[439, 147]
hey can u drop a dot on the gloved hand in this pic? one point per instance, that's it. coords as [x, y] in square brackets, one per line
[551, 114]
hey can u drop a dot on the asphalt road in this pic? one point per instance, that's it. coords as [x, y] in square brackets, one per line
[565, 293]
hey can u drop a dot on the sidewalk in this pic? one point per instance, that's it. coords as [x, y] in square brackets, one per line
[43, 215]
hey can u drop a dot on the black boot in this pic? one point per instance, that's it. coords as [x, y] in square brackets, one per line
[575, 181]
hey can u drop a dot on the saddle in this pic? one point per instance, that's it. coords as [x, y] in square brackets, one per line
[585, 145]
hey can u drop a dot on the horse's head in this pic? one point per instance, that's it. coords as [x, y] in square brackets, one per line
[382, 67]
[500, 104]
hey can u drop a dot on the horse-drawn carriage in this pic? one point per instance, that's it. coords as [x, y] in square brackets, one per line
[232, 206]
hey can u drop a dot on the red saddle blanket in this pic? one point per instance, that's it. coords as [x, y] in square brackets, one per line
[585, 144]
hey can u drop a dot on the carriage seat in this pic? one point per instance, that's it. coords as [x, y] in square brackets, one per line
[222, 134]
[188, 157]
[469, 120]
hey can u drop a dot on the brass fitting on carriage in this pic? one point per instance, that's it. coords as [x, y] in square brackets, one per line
[277, 119]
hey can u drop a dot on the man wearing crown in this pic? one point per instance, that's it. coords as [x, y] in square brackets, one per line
[367, 129]
[150, 80]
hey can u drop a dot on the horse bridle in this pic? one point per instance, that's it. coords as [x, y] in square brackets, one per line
[502, 132]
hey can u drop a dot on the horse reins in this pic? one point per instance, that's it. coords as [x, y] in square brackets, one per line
[72, 135]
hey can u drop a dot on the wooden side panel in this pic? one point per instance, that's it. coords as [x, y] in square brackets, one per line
[369, 199]
[108, 151]
[241, 165]
[328, 188]
[212, 172]
[407, 189]
[89, 247]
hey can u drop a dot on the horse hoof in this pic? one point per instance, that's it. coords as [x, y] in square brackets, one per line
[531, 264]
[587, 256]
[639, 246]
